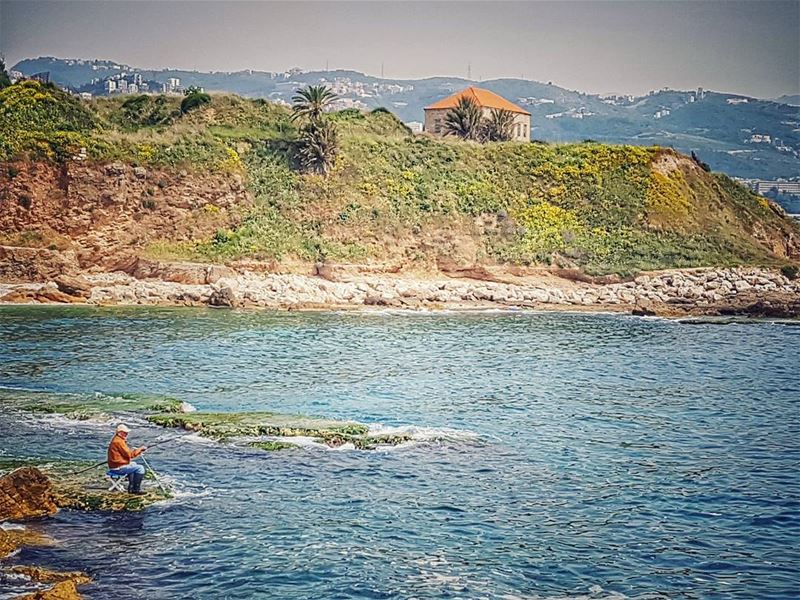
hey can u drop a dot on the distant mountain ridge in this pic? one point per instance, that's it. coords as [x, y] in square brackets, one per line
[741, 136]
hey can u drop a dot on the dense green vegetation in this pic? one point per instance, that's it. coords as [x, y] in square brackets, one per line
[389, 194]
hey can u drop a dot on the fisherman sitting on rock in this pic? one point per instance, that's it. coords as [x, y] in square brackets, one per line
[120, 460]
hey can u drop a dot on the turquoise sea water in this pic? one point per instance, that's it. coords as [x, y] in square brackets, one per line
[574, 455]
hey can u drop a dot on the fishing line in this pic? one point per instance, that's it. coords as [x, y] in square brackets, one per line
[157, 443]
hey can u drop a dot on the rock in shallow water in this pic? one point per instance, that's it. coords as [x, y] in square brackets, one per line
[65, 583]
[229, 426]
[26, 493]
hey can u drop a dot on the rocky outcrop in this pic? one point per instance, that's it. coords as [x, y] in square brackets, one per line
[35, 264]
[13, 537]
[178, 272]
[65, 584]
[63, 590]
[77, 287]
[753, 291]
[25, 493]
[223, 297]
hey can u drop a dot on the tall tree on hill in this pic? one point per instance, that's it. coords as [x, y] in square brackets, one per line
[464, 120]
[318, 143]
[311, 102]
[318, 147]
[499, 127]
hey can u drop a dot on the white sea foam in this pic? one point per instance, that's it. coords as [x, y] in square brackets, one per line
[180, 492]
[12, 526]
[418, 435]
[60, 422]
[595, 592]
[424, 434]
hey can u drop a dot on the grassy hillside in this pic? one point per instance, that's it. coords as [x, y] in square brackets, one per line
[413, 199]
[716, 126]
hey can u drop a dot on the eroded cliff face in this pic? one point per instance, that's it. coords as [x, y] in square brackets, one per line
[62, 218]
[85, 232]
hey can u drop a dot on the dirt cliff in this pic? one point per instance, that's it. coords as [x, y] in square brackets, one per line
[63, 218]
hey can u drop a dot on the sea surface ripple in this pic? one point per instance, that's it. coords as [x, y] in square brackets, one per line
[561, 455]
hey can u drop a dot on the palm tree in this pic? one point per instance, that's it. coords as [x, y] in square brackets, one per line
[318, 146]
[499, 127]
[311, 102]
[464, 120]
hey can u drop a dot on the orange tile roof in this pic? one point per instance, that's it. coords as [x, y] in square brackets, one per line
[482, 97]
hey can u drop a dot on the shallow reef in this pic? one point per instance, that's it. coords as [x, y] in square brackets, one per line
[255, 429]
[222, 426]
[229, 426]
[88, 406]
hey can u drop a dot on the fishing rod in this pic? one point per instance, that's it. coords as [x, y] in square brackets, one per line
[157, 443]
[172, 439]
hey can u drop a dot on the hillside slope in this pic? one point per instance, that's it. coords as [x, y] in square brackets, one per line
[219, 185]
[745, 137]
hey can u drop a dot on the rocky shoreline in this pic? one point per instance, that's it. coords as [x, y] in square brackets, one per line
[688, 292]
[26, 493]
[31, 491]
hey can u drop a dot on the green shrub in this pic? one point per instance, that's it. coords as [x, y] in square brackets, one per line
[41, 120]
[145, 110]
[194, 101]
[790, 271]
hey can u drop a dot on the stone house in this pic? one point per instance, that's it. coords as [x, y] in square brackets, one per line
[435, 113]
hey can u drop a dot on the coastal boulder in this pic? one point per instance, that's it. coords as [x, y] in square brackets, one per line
[74, 286]
[223, 297]
[644, 308]
[25, 493]
[63, 585]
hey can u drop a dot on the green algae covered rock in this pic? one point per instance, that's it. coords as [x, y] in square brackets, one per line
[272, 445]
[228, 426]
[364, 442]
[222, 426]
[88, 406]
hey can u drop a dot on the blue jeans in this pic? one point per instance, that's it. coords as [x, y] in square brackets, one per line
[129, 469]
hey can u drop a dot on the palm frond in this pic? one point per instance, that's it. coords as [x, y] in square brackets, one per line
[311, 102]
[464, 120]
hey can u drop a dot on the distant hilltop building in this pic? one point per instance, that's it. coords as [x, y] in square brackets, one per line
[436, 112]
[171, 86]
[759, 186]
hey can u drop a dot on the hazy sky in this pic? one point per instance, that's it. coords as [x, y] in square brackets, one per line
[750, 47]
